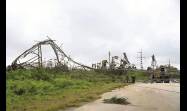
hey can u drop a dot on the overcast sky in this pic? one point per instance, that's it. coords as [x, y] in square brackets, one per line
[89, 29]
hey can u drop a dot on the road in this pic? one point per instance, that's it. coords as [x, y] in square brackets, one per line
[142, 96]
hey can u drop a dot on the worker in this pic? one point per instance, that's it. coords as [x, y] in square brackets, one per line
[133, 79]
[153, 77]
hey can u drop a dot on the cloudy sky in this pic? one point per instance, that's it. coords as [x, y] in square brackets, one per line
[88, 29]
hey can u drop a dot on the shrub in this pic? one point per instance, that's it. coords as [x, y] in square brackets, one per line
[19, 74]
[62, 83]
[41, 74]
[29, 87]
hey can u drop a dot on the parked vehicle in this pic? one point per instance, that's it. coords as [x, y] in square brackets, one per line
[161, 75]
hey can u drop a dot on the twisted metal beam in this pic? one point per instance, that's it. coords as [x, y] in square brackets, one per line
[37, 47]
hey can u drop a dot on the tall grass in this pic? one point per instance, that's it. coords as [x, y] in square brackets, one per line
[49, 90]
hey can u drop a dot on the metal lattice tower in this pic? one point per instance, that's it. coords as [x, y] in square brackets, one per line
[32, 57]
[141, 59]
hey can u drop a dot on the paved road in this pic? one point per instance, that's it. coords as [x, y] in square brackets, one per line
[142, 96]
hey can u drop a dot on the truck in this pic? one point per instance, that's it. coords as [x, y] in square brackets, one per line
[161, 75]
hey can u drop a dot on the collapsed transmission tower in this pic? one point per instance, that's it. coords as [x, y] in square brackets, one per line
[35, 54]
[153, 62]
[125, 58]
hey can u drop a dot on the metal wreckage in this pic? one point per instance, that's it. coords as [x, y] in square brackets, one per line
[32, 58]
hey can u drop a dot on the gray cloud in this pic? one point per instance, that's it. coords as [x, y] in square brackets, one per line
[88, 29]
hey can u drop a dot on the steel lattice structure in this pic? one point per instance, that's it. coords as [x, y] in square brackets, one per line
[36, 61]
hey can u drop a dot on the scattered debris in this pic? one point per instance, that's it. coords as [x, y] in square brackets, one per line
[117, 100]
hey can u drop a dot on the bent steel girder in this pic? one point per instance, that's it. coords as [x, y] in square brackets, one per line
[38, 56]
[28, 51]
[70, 59]
[153, 62]
[125, 58]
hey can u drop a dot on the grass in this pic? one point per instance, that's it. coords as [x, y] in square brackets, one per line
[50, 90]
[140, 75]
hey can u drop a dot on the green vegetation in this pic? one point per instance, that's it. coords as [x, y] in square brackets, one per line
[140, 75]
[50, 90]
[117, 100]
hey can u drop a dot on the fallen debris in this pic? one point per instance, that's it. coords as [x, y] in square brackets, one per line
[117, 100]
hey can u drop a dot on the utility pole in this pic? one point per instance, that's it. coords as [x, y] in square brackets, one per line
[141, 59]
[109, 57]
[169, 65]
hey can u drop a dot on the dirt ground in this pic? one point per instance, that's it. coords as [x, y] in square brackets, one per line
[142, 96]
